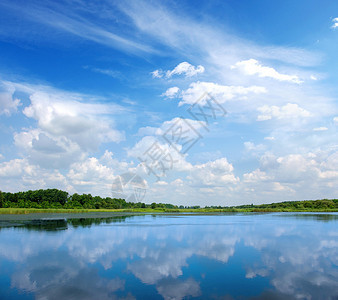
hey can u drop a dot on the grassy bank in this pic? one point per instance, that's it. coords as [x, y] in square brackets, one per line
[159, 210]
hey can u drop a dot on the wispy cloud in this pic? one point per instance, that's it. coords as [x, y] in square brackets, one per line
[108, 72]
[73, 23]
[187, 35]
[335, 23]
[320, 128]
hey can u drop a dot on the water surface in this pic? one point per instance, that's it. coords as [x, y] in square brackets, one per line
[232, 256]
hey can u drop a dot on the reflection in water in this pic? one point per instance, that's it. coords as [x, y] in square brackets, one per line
[268, 256]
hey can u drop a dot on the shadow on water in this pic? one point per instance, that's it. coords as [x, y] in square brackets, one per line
[61, 223]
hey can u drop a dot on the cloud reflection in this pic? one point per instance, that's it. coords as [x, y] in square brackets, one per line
[298, 257]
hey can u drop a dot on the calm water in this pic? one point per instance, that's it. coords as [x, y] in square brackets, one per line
[254, 256]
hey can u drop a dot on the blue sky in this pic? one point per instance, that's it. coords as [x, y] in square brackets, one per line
[89, 88]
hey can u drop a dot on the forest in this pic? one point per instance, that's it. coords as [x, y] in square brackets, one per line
[57, 199]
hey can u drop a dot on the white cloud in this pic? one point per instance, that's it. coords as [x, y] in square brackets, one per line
[294, 176]
[256, 176]
[90, 175]
[221, 93]
[64, 115]
[19, 174]
[184, 68]
[250, 146]
[212, 174]
[152, 146]
[47, 150]
[90, 172]
[148, 130]
[320, 129]
[252, 67]
[8, 105]
[69, 125]
[1, 157]
[171, 92]
[188, 127]
[16, 167]
[290, 110]
[335, 120]
[180, 133]
[335, 23]
[97, 174]
[157, 74]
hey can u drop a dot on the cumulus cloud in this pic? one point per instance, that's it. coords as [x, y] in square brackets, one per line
[171, 92]
[61, 116]
[253, 67]
[307, 175]
[221, 93]
[290, 110]
[212, 174]
[97, 174]
[20, 174]
[69, 126]
[168, 144]
[176, 132]
[335, 120]
[47, 150]
[157, 157]
[335, 23]
[184, 68]
[90, 172]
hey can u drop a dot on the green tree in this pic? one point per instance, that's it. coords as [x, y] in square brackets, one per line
[1, 199]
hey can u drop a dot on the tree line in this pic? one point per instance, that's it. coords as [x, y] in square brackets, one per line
[54, 198]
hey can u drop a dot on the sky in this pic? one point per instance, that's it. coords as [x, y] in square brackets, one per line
[183, 102]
